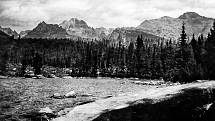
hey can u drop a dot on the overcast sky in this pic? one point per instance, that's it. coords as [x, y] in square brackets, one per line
[26, 14]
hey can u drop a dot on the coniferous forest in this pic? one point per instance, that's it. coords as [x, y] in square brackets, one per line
[185, 60]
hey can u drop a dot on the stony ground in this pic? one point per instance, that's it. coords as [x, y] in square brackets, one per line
[21, 96]
[186, 102]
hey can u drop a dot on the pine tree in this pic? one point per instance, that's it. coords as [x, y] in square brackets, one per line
[183, 39]
[139, 47]
[194, 45]
[197, 53]
[156, 65]
[184, 59]
[210, 55]
[200, 50]
[3, 61]
[37, 64]
[130, 60]
[181, 55]
[167, 58]
[24, 65]
[193, 42]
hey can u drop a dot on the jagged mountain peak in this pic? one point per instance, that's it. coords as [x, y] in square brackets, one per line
[43, 23]
[189, 15]
[74, 23]
[80, 28]
[44, 30]
[77, 20]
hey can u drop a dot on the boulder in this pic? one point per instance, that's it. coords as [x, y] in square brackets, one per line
[57, 96]
[70, 94]
[3, 77]
[86, 95]
[138, 82]
[67, 77]
[34, 77]
[52, 76]
[40, 77]
[45, 110]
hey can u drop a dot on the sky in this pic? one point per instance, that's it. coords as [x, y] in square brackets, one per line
[26, 14]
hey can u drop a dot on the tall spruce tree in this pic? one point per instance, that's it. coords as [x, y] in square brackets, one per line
[37, 64]
[184, 59]
[183, 38]
[210, 56]
[139, 47]
[130, 60]
[156, 65]
[194, 45]
[181, 55]
[167, 58]
[3, 61]
[197, 51]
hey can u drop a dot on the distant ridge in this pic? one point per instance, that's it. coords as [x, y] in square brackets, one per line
[169, 27]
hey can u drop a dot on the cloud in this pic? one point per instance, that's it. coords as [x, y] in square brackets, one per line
[21, 14]
[25, 14]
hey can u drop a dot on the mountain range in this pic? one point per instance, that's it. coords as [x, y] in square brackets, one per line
[75, 28]
[169, 27]
[164, 27]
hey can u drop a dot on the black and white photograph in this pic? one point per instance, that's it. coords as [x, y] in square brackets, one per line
[107, 60]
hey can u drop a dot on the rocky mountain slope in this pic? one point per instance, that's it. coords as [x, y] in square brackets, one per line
[44, 30]
[169, 27]
[24, 33]
[103, 32]
[80, 28]
[9, 32]
[129, 34]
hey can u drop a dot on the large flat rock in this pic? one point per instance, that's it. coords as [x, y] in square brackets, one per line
[103, 109]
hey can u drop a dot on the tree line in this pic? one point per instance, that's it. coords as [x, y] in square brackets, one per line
[184, 61]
